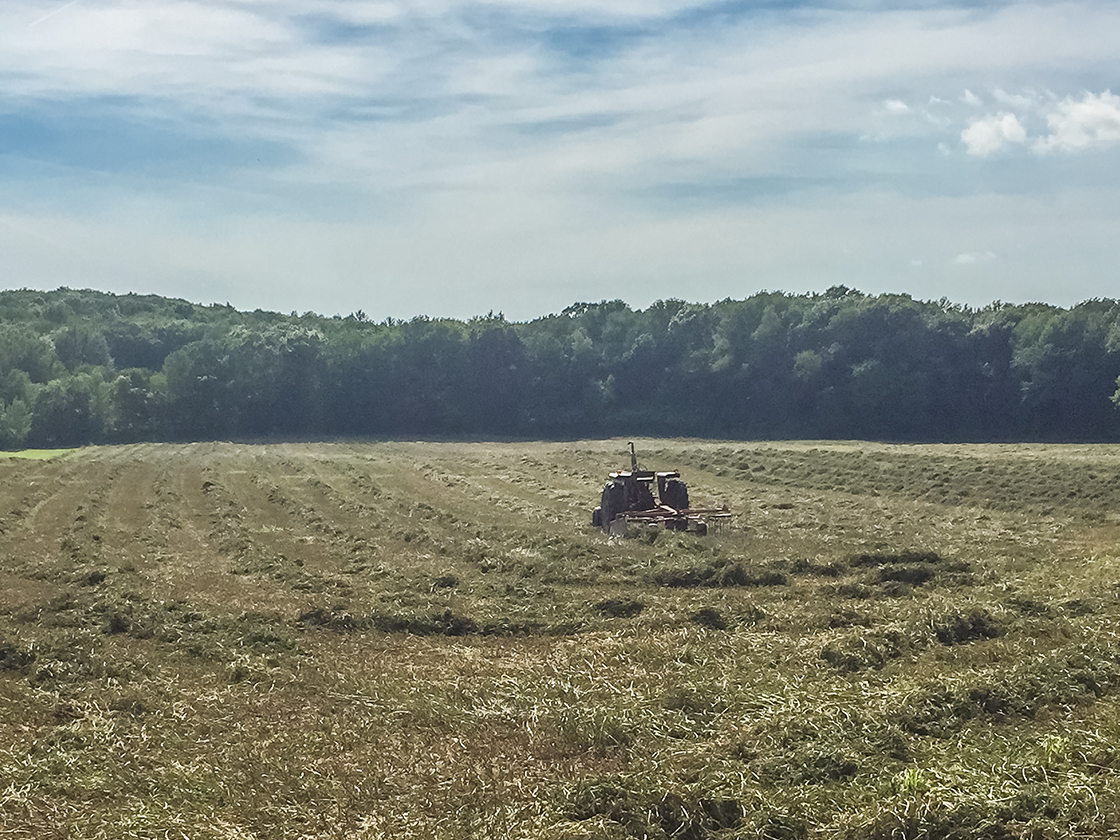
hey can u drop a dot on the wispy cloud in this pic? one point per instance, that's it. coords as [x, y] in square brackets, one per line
[37, 21]
[1014, 100]
[454, 122]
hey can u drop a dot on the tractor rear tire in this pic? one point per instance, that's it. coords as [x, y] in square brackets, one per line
[612, 503]
[675, 495]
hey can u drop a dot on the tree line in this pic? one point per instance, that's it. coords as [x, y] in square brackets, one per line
[79, 366]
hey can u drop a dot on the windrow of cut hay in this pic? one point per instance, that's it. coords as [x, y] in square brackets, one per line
[429, 640]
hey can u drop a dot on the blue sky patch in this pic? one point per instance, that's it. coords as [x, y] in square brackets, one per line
[94, 136]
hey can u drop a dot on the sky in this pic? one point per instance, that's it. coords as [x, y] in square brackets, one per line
[451, 158]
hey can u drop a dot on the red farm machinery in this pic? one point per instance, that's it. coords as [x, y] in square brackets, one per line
[629, 497]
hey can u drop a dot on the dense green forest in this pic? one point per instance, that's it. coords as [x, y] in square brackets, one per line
[82, 367]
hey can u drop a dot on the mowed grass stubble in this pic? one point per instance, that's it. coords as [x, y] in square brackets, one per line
[429, 640]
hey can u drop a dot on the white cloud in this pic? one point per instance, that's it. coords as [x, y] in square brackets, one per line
[896, 106]
[973, 258]
[1075, 125]
[970, 98]
[983, 137]
[1092, 122]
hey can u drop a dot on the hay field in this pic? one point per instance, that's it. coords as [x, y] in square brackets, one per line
[428, 640]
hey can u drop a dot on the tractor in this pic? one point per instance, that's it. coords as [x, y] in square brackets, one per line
[628, 496]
